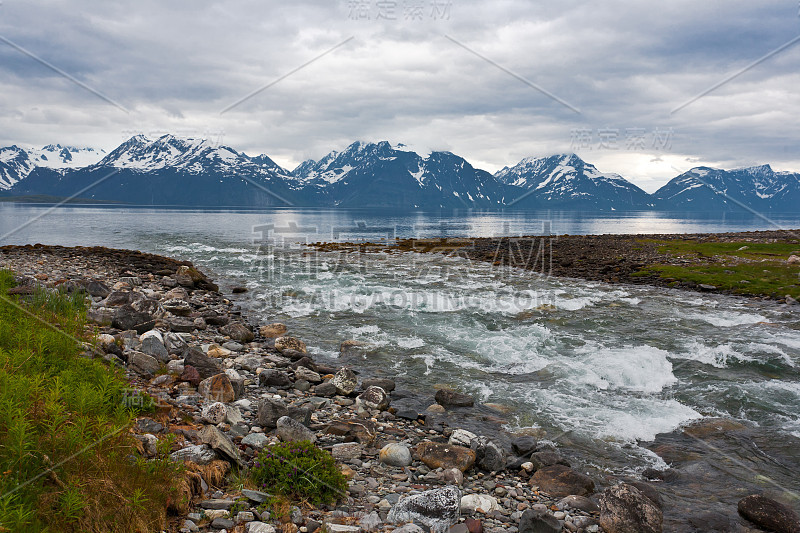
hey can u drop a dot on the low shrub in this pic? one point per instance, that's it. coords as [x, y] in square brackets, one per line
[299, 470]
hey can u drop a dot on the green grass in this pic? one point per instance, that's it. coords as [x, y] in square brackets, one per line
[754, 251]
[760, 270]
[67, 462]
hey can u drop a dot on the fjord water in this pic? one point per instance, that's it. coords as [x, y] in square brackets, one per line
[609, 373]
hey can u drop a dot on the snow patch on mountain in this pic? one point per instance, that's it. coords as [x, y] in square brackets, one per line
[17, 163]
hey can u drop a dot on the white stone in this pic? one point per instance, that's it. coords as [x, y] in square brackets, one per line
[395, 454]
[484, 502]
[258, 527]
[462, 437]
[175, 366]
[214, 413]
[340, 528]
[256, 440]
[233, 415]
[105, 339]
[244, 403]
[152, 333]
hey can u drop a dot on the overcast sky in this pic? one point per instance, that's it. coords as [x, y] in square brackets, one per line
[490, 81]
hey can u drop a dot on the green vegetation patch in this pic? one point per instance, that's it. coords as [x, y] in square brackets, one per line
[67, 461]
[301, 471]
[752, 250]
[760, 269]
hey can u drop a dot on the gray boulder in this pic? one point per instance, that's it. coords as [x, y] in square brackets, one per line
[153, 344]
[201, 454]
[127, 318]
[438, 509]
[204, 365]
[220, 443]
[143, 364]
[238, 332]
[488, 455]
[269, 411]
[290, 430]
[538, 521]
[98, 289]
[345, 381]
[269, 377]
[396, 454]
[373, 398]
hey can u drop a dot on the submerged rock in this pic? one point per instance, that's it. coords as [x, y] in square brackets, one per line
[559, 481]
[625, 509]
[451, 398]
[769, 514]
[282, 344]
[271, 331]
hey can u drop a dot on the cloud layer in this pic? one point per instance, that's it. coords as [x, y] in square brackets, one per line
[491, 81]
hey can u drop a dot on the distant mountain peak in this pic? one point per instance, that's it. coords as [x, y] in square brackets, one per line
[198, 171]
[568, 180]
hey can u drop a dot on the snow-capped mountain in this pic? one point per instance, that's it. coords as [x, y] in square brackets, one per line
[171, 171]
[382, 175]
[196, 172]
[707, 189]
[17, 163]
[568, 181]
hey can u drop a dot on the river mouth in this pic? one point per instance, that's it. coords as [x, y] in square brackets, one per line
[611, 374]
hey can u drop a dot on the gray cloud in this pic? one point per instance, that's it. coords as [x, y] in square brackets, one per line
[624, 64]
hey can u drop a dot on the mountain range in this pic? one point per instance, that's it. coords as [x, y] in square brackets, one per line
[196, 172]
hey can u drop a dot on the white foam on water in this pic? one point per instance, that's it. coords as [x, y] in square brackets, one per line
[790, 339]
[722, 355]
[727, 319]
[514, 351]
[716, 356]
[364, 330]
[410, 342]
[635, 368]
[605, 415]
[196, 247]
[576, 303]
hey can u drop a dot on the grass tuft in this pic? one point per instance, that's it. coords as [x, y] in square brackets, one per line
[67, 461]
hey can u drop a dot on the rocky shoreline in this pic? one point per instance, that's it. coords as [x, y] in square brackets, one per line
[226, 387]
